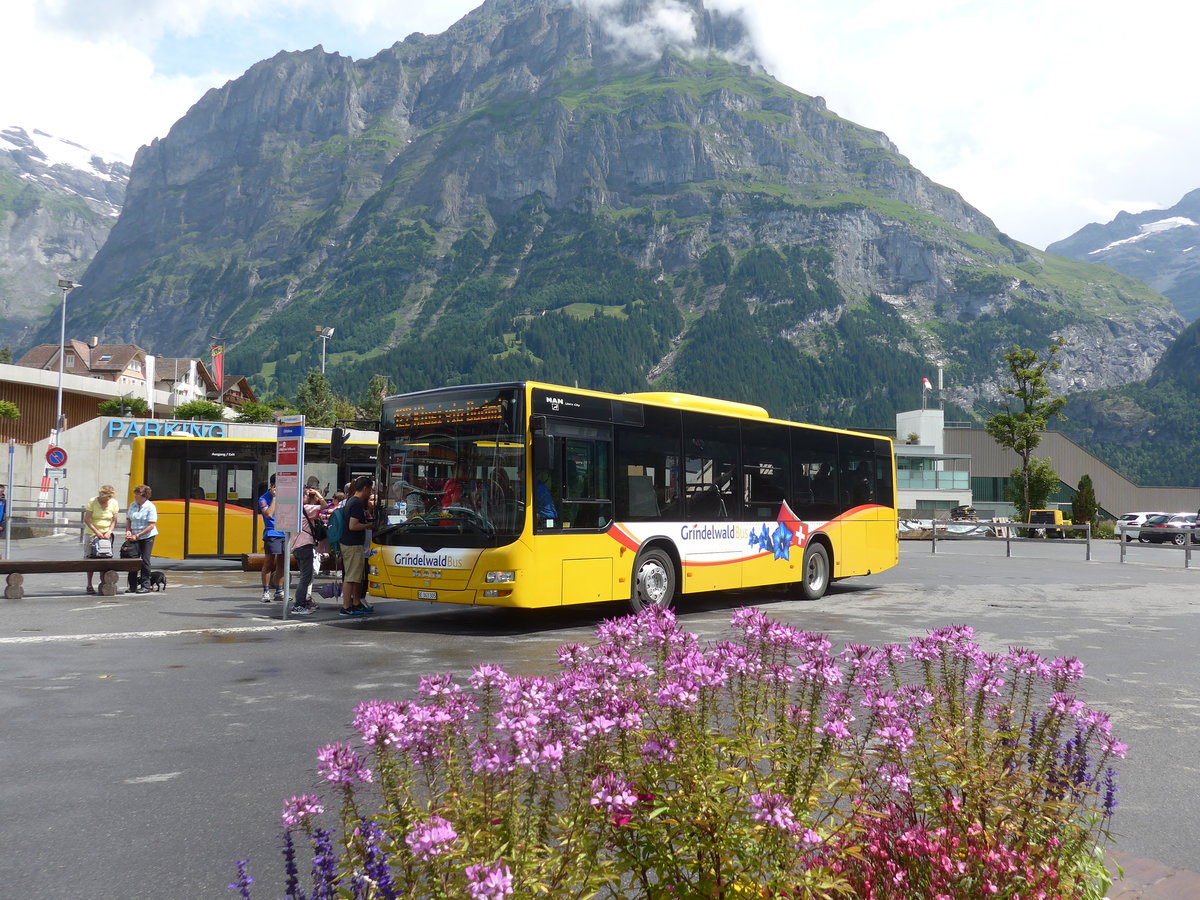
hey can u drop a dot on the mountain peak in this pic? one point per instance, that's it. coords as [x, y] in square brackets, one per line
[1159, 246]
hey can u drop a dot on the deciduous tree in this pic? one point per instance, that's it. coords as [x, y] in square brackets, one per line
[315, 400]
[1029, 405]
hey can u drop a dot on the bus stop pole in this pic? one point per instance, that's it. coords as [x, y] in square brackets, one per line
[287, 572]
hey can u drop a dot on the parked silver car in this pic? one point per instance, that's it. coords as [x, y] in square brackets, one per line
[1133, 522]
[1169, 529]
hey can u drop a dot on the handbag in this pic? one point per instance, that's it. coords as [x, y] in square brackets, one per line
[101, 548]
[129, 550]
[317, 528]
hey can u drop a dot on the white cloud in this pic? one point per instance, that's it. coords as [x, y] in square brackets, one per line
[1043, 113]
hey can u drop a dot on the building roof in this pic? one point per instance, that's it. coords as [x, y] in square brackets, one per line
[238, 385]
[101, 359]
[168, 369]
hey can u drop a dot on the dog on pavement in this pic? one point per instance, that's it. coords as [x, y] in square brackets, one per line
[158, 581]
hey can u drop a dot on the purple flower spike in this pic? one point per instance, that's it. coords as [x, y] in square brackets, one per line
[242, 885]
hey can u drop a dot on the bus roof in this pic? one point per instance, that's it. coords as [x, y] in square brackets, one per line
[677, 399]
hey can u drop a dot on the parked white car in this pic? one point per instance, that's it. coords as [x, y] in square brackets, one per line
[1132, 523]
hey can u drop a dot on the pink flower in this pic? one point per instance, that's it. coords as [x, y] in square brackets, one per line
[431, 838]
[614, 795]
[492, 882]
[775, 810]
[299, 808]
[340, 764]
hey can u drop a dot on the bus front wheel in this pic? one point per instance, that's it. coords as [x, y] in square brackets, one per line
[815, 576]
[653, 580]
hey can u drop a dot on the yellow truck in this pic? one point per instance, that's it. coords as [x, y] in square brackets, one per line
[1049, 517]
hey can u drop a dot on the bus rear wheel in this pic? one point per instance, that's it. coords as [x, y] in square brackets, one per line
[815, 572]
[654, 581]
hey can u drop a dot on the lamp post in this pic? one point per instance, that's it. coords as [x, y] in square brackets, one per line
[326, 334]
[65, 285]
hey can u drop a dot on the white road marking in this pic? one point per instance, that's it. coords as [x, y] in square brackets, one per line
[121, 635]
[152, 779]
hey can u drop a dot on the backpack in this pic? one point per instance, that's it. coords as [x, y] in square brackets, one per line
[316, 527]
[335, 527]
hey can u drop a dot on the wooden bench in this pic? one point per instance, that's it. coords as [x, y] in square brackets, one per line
[110, 571]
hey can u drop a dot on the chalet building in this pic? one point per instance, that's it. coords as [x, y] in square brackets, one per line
[235, 391]
[122, 364]
[184, 378]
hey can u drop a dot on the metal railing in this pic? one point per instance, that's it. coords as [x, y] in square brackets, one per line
[993, 530]
[1186, 546]
[29, 515]
[990, 531]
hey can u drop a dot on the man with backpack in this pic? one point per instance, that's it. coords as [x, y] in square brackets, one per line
[357, 519]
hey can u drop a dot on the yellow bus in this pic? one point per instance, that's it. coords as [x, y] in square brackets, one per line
[530, 495]
[206, 489]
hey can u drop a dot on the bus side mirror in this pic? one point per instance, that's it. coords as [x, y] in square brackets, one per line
[542, 453]
[337, 444]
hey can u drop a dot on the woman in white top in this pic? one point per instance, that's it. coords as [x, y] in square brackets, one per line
[140, 526]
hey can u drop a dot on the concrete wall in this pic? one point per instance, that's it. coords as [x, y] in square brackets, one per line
[1114, 491]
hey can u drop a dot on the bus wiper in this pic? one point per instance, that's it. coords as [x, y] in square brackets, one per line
[465, 516]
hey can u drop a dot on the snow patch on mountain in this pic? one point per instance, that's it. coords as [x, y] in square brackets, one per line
[1147, 229]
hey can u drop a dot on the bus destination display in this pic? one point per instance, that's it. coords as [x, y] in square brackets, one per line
[449, 412]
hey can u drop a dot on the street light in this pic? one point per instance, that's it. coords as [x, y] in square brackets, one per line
[65, 285]
[326, 334]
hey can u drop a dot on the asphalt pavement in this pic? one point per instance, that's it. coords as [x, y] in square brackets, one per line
[150, 738]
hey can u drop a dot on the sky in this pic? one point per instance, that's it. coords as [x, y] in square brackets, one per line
[1044, 114]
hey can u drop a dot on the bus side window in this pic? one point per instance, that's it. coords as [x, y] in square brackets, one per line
[642, 500]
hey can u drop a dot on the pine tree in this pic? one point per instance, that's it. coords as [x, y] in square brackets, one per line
[1084, 505]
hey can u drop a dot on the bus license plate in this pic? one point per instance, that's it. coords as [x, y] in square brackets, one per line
[426, 595]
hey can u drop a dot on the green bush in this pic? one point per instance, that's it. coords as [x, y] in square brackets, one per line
[125, 405]
[200, 409]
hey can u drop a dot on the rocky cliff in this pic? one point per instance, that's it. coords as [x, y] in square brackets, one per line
[58, 202]
[600, 198]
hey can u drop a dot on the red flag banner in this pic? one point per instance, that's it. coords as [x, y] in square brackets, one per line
[218, 366]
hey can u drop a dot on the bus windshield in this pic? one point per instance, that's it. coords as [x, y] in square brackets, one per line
[453, 465]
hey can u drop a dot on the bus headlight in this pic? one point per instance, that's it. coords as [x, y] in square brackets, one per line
[372, 570]
[502, 577]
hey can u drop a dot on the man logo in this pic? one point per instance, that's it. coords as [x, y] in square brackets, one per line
[555, 402]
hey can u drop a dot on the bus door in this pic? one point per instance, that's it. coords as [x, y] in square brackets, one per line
[576, 468]
[220, 517]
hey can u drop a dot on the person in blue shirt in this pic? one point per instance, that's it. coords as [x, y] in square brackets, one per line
[272, 568]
